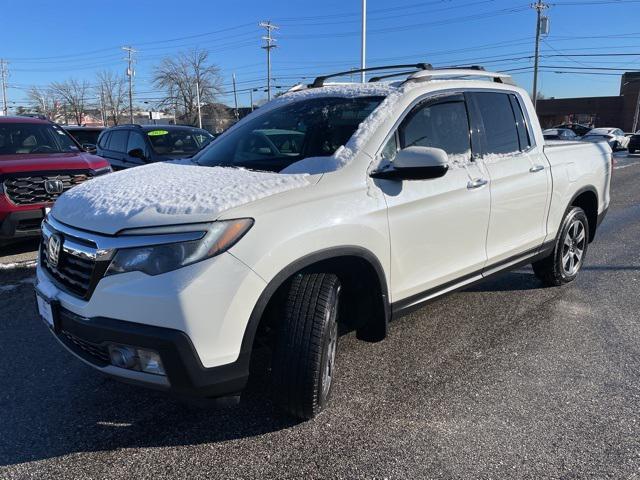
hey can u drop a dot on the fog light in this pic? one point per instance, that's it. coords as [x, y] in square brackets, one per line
[150, 362]
[122, 356]
[133, 358]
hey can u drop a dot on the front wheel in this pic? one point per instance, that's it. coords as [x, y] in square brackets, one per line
[305, 349]
[566, 260]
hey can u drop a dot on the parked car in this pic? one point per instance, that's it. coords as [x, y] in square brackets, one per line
[128, 146]
[38, 162]
[634, 142]
[559, 134]
[400, 192]
[577, 128]
[85, 136]
[615, 137]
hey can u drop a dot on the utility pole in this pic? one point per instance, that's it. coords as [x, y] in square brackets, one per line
[270, 43]
[103, 113]
[539, 7]
[635, 117]
[198, 98]
[251, 98]
[235, 96]
[4, 72]
[130, 73]
[363, 44]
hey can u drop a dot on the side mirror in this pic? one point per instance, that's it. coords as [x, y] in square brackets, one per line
[137, 153]
[89, 147]
[416, 163]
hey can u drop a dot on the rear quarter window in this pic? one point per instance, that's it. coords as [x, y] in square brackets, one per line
[103, 141]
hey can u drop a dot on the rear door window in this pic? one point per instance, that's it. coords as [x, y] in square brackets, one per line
[500, 127]
[118, 141]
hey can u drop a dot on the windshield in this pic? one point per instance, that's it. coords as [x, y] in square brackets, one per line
[598, 132]
[178, 143]
[25, 138]
[308, 128]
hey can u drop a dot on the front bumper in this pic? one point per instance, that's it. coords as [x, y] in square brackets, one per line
[88, 339]
[195, 317]
[21, 224]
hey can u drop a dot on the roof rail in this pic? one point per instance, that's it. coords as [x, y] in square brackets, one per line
[471, 71]
[128, 125]
[431, 69]
[319, 81]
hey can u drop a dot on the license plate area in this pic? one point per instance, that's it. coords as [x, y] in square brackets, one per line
[48, 309]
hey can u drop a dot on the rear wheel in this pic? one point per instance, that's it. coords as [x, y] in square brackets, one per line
[306, 341]
[568, 255]
[632, 150]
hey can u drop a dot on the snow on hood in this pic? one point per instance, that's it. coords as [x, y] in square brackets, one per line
[165, 193]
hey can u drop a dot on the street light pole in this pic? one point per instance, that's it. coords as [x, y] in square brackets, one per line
[235, 97]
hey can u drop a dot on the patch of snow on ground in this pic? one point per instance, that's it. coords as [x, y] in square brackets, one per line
[171, 189]
[12, 265]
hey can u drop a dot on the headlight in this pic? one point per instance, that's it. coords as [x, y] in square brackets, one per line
[157, 259]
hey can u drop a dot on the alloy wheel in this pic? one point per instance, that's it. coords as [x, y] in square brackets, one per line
[573, 247]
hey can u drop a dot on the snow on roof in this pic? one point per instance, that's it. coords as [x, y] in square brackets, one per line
[165, 188]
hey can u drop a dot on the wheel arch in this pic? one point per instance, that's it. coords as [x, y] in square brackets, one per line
[587, 199]
[338, 260]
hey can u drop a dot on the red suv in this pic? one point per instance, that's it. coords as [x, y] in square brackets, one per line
[38, 162]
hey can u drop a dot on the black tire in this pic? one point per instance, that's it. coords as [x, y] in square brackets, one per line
[615, 147]
[304, 353]
[632, 150]
[553, 270]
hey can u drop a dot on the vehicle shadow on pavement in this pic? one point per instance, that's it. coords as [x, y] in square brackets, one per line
[20, 247]
[53, 405]
[516, 280]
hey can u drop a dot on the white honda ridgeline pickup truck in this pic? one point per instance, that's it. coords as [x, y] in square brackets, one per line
[333, 204]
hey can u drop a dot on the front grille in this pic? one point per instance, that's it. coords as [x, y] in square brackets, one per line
[27, 190]
[96, 353]
[73, 272]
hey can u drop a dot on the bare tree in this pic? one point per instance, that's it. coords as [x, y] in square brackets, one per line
[182, 77]
[74, 94]
[112, 90]
[44, 102]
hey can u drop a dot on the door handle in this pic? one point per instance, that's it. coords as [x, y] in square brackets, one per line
[477, 183]
[536, 168]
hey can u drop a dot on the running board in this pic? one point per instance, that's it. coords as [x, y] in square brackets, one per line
[414, 302]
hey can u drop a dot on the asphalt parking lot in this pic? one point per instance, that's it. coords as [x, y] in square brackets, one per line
[503, 380]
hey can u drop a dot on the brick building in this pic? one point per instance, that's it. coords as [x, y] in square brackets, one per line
[616, 111]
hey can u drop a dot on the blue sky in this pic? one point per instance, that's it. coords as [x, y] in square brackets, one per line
[45, 41]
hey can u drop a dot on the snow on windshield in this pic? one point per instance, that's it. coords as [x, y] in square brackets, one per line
[171, 189]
